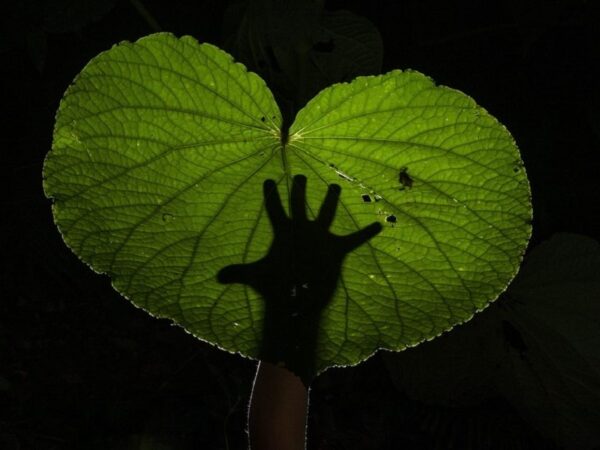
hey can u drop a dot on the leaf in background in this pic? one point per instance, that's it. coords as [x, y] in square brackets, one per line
[455, 370]
[555, 309]
[25, 24]
[538, 347]
[160, 150]
[61, 16]
[299, 48]
[347, 46]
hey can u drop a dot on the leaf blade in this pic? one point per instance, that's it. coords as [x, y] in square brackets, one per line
[161, 146]
[453, 239]
[151, 148]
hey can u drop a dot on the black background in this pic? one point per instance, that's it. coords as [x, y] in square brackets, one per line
[82, 368]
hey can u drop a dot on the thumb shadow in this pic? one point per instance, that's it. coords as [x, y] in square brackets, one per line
[298, 276]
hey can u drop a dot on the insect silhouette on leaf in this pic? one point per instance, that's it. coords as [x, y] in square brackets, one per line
[404, 178]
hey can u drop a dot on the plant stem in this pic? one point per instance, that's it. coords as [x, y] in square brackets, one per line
[149, 18]
[278, 410]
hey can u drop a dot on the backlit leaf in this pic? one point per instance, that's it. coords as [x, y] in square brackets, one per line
[159, 153]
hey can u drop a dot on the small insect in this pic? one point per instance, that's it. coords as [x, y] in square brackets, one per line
[404, 178]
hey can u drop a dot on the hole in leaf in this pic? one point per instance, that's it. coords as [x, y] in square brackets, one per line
[391, 218]
[366, 198]
[262, 119]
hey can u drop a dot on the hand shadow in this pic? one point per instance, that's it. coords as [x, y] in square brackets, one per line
[298, 276]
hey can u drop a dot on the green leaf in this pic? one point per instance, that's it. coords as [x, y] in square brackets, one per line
[454, 238]
[161, 147]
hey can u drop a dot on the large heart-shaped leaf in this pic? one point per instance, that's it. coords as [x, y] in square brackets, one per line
[159, 153]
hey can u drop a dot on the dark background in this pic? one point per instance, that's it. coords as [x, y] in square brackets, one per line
[81, 368]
